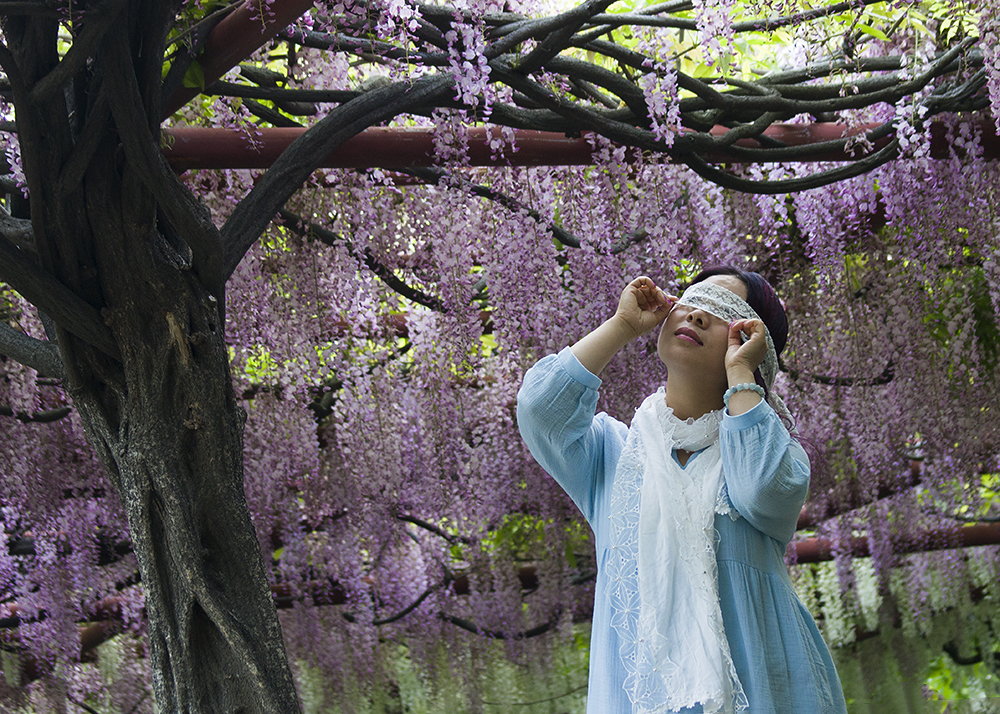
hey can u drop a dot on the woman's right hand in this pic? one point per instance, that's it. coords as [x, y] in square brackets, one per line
[643, 306]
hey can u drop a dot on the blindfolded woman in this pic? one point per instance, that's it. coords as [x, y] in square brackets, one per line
[692, 506]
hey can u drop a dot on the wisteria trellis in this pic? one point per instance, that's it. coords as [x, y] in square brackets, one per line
[378, 329]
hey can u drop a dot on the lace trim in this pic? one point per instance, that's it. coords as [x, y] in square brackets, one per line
[659, 674]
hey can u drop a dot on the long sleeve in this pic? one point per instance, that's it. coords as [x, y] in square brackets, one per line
[767, 471]
[555, 414]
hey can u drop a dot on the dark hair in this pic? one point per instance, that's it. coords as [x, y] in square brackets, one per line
[761, 297]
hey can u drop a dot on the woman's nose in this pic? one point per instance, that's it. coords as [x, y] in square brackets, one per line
[698, 317]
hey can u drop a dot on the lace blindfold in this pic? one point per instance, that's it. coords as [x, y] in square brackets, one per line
[727, 305]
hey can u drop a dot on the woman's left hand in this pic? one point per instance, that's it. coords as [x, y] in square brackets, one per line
[747, 355]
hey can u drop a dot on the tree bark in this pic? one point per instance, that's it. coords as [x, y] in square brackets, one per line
[173, 449]
[111, 228]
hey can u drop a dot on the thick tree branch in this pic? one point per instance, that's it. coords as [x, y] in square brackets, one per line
[430, 527]
[27, 7]
[764, 24]
[18, 231]
[41, 356]
[823, 178]
[45, 292]
[43, 417]
[188, 216]
[951, 649]
[660, 8]
[312, 230]
[884, 378]
[625, 90]
[565, 26]
[276, 94]
[271, 116]
[608, 124]
[367, 45]
[495, 635]
[286, 175]
[86, 146]
[96, 22]
[412, 606]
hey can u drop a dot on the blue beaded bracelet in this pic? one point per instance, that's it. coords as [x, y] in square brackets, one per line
[745, 387]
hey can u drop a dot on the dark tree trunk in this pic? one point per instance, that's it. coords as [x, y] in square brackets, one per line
[172, 443]
[144, 350]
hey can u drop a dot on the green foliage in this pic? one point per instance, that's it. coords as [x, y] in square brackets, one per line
[948, 681]
[523, 536]
[194, 78]
[8, 312]
[965, 289]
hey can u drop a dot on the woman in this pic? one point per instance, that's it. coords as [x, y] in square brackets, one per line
[692, 506]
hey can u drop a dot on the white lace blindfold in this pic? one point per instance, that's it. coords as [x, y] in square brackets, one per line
[727, 305]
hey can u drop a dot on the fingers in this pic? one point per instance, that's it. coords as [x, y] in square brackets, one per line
[747, 346]
[735, 328]
[649, 296]
[750, 328]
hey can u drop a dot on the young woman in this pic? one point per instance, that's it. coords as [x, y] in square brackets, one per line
[692, 506]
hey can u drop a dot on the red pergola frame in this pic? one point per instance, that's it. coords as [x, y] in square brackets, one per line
[400, 148]
[244, 31]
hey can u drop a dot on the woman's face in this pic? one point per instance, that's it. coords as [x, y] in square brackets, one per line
[694, 341]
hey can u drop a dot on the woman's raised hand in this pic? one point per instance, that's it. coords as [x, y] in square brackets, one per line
[643, 306]
[743, 357]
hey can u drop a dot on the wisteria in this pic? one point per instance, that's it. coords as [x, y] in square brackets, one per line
[376, 332]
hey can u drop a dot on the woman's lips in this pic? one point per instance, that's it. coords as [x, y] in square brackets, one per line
[687, 333]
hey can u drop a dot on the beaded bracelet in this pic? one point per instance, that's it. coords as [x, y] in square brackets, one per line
[745, 387]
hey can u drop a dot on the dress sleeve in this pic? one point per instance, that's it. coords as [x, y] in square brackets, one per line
[767, 471]
[555, 415]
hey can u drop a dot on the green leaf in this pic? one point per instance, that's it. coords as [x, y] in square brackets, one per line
[194, 78]
[873, 31]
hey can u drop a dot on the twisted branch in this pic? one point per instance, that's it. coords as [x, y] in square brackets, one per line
[51, 296]
[41, 356]
[43, 417]
[95, 23]
[312, 230]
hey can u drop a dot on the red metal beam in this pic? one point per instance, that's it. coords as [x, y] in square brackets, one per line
[397, 148]
[238, 36]
[817, 550]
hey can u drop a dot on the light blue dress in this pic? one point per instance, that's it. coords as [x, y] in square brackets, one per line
[781, 659]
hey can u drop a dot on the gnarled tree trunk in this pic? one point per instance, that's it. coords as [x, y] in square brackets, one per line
[128, 264]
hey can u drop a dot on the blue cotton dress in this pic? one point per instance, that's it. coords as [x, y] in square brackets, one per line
[781, 659]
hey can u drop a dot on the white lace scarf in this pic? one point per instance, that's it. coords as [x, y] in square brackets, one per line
[662, 568]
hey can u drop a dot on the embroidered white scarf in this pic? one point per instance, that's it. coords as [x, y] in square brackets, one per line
[662, 567]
